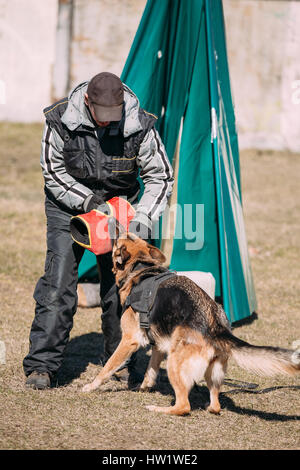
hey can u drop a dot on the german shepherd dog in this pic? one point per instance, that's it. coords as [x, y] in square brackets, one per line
[188, 326]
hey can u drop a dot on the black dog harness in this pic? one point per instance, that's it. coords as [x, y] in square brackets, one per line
[142, 295]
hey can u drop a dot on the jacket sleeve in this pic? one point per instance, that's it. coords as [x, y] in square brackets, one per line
[157, 175]
[63, 186]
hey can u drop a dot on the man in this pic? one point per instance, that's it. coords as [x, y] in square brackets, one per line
[95, 144]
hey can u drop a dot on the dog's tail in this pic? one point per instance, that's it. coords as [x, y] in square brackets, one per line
[262, 360]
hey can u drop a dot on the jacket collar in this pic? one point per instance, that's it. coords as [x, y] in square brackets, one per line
[76, 114]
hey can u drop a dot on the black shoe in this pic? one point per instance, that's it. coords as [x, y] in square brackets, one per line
[135, 380]
[38, 381]
[132, 377]
[121, 375]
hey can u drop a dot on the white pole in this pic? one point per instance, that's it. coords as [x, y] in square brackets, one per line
[61, 72]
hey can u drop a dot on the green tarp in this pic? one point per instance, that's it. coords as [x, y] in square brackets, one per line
[178, 68]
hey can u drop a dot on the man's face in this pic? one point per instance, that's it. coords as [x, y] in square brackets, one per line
[91, 108]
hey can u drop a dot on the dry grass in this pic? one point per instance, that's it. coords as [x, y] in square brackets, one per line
[62, 418]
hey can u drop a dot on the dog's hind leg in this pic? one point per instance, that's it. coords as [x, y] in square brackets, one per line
[185, 366]
[152, 370]
[214, 377]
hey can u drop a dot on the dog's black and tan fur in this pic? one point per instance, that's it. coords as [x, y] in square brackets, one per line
[189, 327]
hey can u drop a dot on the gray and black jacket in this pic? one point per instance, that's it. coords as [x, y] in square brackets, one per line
[77, 161]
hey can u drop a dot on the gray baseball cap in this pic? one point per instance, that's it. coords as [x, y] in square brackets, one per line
[106, 95]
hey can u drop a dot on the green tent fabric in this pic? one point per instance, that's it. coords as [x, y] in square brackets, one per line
[178, 68]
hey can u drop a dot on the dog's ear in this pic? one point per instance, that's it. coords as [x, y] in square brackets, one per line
[132, 236]
[122, 255]
[156, 254]
[115, 229]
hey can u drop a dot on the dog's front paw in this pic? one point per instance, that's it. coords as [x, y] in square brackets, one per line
[88, 388]
[145, 389]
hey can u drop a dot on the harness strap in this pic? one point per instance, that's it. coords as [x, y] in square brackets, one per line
[142, 297]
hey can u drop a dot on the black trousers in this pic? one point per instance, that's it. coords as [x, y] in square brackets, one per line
[56, 298]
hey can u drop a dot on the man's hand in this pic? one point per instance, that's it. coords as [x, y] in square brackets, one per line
[140, 230]
[96, 202]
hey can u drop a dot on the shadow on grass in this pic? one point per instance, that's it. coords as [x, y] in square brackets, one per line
[79, 352]
[199, 399]
[228, 403]
[88, 348]
[83, 350]
[245, 321]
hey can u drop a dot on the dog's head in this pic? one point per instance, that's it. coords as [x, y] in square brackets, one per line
[128, 248]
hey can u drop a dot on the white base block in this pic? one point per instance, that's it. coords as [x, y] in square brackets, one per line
[89, 294]
[204, 280]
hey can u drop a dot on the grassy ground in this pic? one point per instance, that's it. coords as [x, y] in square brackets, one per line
[115, 418]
